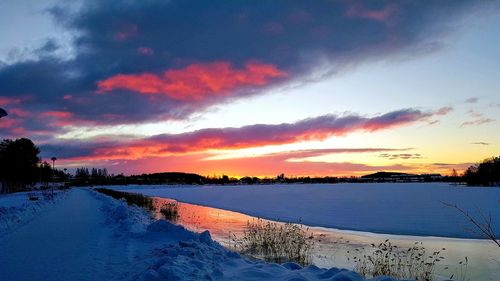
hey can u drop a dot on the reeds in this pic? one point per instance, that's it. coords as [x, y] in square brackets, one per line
[276, 242]
[131, 198]
[401, 263]
[170, 211]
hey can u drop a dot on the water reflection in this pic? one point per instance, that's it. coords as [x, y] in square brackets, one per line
[220, 223]
[335, 248]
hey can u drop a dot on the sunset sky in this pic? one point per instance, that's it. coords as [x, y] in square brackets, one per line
[253, 87]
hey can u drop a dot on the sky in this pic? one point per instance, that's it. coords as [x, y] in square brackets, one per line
[323, 88]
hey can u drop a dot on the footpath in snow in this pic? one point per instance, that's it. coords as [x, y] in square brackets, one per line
[89, 236]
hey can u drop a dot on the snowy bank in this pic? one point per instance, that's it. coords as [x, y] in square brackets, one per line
[165, 251]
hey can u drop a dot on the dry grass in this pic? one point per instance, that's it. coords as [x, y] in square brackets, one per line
[462, 274]
[276, 242]
[131, 198]
[401, 263]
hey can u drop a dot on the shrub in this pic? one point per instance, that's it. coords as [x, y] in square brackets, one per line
[170, 211]
[276, 242]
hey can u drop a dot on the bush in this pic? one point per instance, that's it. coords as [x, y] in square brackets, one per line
[276, 242]
[170, 211]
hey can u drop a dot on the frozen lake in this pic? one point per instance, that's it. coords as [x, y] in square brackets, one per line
[388, 208]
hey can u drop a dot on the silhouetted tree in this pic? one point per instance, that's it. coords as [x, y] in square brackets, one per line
[82, 173]
[18, 164]
[485, 173]
[94, 174]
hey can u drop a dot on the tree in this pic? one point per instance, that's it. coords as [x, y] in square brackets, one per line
[482, 224]
[94, 174]
[18, 164]
[485, 173]
[82, 173]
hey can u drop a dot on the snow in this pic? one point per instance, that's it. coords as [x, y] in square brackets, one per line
[16, 209]
[14, 199]
[89, 236]
[389, 208]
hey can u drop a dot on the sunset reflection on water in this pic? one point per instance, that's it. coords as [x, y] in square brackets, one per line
[220, 223]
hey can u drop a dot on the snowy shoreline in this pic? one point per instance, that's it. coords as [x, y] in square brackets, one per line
[482, 256]
[365, 208]
[196, 256]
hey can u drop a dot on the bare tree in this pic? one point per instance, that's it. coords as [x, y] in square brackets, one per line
[482, 225]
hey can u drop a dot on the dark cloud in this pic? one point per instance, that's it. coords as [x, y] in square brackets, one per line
[155, 37]
[472, 100]
[399, 156]
[481, 143]
[306, 153]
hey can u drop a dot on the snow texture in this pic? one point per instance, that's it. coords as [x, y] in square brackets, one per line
[16, 209]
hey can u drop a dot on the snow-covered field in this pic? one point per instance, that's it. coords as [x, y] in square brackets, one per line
[89, 236]
[407, 209]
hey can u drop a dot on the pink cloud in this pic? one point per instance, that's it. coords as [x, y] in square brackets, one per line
[9, 123]
[381, 15]
[194, 82]
[145, 51]
[8, 101]
[64, 118]
[19, 112]
[444, 110]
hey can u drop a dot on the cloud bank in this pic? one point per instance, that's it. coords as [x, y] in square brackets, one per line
[143, 61]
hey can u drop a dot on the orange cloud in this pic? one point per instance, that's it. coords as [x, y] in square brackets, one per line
[194, 82]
